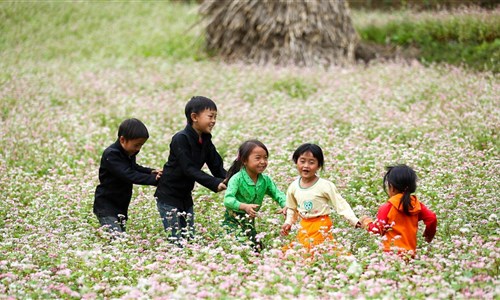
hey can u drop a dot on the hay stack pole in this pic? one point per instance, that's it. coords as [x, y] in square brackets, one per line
[300, 32]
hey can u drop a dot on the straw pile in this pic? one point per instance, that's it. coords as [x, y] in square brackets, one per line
[284, 32]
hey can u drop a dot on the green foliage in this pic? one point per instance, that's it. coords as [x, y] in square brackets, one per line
[473, 39]
[96, 30]
[294, 87]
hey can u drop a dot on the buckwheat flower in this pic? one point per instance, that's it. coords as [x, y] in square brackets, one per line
[354, 269]
[259, 236]
[464, 229]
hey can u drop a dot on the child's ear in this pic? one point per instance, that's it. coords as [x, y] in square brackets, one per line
[392, 188]
[194, 117]
[122, 139]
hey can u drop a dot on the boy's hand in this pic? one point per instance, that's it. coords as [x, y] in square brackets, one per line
[285, 229]
[249, 209]
[221, 187]
[158, 173]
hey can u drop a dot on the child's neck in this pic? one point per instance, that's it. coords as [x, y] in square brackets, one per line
[254, 176]
[197, 131]
[307, 182]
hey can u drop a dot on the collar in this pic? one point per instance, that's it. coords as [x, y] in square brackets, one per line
[396, 202]
[119, 147]
[194, 135]
[247, 178]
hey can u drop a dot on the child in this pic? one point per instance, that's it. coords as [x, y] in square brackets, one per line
[311, 198]
[246, 189]
[397, 220]
[190, 149]
[118, 172]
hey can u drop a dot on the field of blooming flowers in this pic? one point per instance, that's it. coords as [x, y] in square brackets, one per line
[57, 115]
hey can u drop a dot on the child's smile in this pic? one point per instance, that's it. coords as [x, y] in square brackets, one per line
[307, 165]
[205, 121]
[257, 162]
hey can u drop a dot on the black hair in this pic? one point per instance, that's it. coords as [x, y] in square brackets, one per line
[308, 147]
[243, 153]
[196, 105]
[133, 129]
[404, 180]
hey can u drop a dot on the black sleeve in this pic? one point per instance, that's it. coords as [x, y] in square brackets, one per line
[123, 170]
[215, 163]
[181, 149]
[142, 169]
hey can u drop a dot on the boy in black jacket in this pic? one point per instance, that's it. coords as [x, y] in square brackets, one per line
[190, 149]
[117, 174]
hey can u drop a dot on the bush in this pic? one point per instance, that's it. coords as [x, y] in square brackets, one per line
[464, 36]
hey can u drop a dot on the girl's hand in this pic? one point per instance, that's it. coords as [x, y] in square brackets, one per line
[249, 209]
[285, 229]
[282, 211]
[428, 239]
[364, 221]
[222, 186]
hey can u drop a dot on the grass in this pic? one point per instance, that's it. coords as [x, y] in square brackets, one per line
[467, 36]
[99, 30]
[64, 88]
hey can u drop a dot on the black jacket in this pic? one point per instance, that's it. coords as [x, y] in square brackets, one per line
[187, 157]
[117, 173]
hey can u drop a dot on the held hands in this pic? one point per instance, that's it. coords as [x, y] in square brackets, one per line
[158, 173]
[222, 186]
[249, 209]
[364, 221]
[285, 229]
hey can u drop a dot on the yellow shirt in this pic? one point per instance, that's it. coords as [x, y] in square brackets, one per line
[316, 200]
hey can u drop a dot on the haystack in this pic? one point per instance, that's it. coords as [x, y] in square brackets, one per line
[296, 32]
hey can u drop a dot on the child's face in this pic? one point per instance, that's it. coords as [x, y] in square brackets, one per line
[257, 161]
[132, 146]
[204, 121]
[307, 165]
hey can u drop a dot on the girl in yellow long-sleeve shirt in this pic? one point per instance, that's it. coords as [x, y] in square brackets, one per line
[311, 198]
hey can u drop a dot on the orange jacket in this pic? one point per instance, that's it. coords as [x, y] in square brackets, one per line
[399, 229]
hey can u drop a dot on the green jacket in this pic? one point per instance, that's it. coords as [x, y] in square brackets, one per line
[242, 189]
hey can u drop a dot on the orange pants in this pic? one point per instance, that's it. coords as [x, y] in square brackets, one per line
[313, 232]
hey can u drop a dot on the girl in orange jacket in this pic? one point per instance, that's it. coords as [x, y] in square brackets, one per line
[397, 220]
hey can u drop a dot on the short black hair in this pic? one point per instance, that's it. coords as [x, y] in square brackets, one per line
[196, 105]
[133, 129]
[314, 149]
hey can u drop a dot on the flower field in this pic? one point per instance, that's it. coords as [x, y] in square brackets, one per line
[57, 114]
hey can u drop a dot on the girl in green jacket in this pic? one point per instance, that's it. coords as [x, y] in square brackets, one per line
[245, 191]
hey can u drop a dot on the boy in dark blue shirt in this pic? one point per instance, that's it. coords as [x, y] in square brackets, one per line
[190, 149]
[117, 174]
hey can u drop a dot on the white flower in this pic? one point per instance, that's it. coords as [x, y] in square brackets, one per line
[354, 268]
[464, 230]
